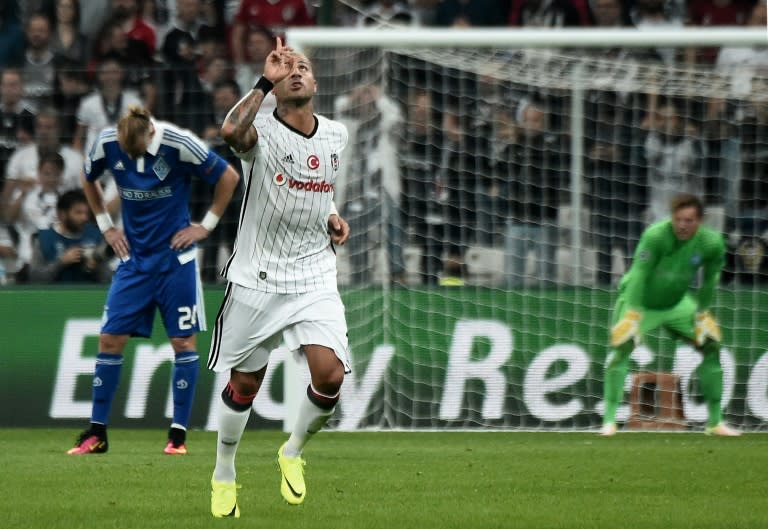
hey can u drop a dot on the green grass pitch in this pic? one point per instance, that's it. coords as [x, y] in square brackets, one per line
[394, 480]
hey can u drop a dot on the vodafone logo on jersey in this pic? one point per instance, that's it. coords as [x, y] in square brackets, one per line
[314, 187]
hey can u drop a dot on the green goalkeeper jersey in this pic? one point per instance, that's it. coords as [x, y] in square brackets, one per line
[664, 268]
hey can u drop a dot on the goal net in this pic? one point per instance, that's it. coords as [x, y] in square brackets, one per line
[496, 184]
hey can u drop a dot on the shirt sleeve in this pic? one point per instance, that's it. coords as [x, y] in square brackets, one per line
[95, 162]
[646, 258]
[213, 167]
[713, 266]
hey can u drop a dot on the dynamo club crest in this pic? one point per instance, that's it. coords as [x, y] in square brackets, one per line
[161, 168]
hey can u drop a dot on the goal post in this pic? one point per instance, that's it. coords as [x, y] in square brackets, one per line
[496, 181]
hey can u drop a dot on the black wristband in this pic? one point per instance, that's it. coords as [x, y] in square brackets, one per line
[264, 84]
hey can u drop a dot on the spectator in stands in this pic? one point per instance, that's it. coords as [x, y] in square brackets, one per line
[32, 207]
[506, 159]
[657, 14]
[743, 63]
[181, 41]
[454, 268]
[68, 42]
[93, 16]
[131, 14]
[211, 42]
[547, 14]
[674, 155]
[185, 102]
[535, 195]
[104, 106]
[213, 71]
[11, 38]
[609, 14]
[259, 41]
[368, 188]
[467, 13]
[72, 249]
[7, 255]
[616, 179]
[38, 69]
[71, 87]
[420, 156]
[23, 164]
[276, 15]
[17, 117]
[387, 13]
[614, 14]
[706, 13]
[493, 117]
[135, 56]
[225, 96]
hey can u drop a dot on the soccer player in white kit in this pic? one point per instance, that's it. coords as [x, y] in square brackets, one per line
[282, 272]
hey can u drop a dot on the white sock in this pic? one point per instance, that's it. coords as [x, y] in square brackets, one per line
[308, 422]
[231, 427]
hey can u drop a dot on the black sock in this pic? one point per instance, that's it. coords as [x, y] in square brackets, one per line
[177, 436]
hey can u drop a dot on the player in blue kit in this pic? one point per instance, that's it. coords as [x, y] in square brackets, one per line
[152, 163]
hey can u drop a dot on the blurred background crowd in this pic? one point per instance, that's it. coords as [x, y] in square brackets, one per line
[452, 160]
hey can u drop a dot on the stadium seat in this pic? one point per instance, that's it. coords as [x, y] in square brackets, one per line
[412, 257]
[714, 217]
[567, 273]
[565, 222]
[485, 265]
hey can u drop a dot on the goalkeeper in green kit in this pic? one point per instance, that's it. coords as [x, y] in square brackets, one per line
[655, 292]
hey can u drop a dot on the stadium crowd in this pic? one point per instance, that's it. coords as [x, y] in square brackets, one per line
[491, 169]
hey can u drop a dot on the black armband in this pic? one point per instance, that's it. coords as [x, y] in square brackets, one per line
[264, 84]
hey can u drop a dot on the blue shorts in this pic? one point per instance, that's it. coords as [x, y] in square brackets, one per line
[134, 295]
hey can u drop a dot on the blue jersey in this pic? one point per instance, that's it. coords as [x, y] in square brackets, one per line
[154, 189]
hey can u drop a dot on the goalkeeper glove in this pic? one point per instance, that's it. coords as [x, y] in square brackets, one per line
[706, 327]
[626, 329]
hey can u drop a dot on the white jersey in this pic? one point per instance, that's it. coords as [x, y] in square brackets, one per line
[283, 245]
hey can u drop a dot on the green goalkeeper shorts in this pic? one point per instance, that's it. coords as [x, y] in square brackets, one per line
[678, 320]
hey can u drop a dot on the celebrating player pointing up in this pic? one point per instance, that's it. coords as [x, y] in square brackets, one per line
[655, 293]
[282, 272]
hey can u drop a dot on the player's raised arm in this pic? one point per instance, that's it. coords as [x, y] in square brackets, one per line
[237, 129]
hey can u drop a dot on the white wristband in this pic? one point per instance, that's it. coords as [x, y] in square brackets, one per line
[104, 221]
[210, 221]
[334, 211]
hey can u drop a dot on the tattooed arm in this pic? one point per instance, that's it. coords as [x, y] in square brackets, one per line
[237, 129]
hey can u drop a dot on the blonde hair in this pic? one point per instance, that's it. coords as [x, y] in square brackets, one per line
[133, 126]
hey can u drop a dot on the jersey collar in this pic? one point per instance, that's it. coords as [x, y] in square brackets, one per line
[154, 145]
[297, 131]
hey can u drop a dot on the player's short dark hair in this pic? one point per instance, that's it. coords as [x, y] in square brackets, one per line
[71, 198]
[687, 200]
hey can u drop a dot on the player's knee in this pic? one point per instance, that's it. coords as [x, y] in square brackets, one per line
[329, 379]
[183, 343]
[112, 343]
[246, 383]
[621, 354]
[237, 399]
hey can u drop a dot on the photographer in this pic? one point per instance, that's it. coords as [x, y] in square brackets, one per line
[72, 250]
